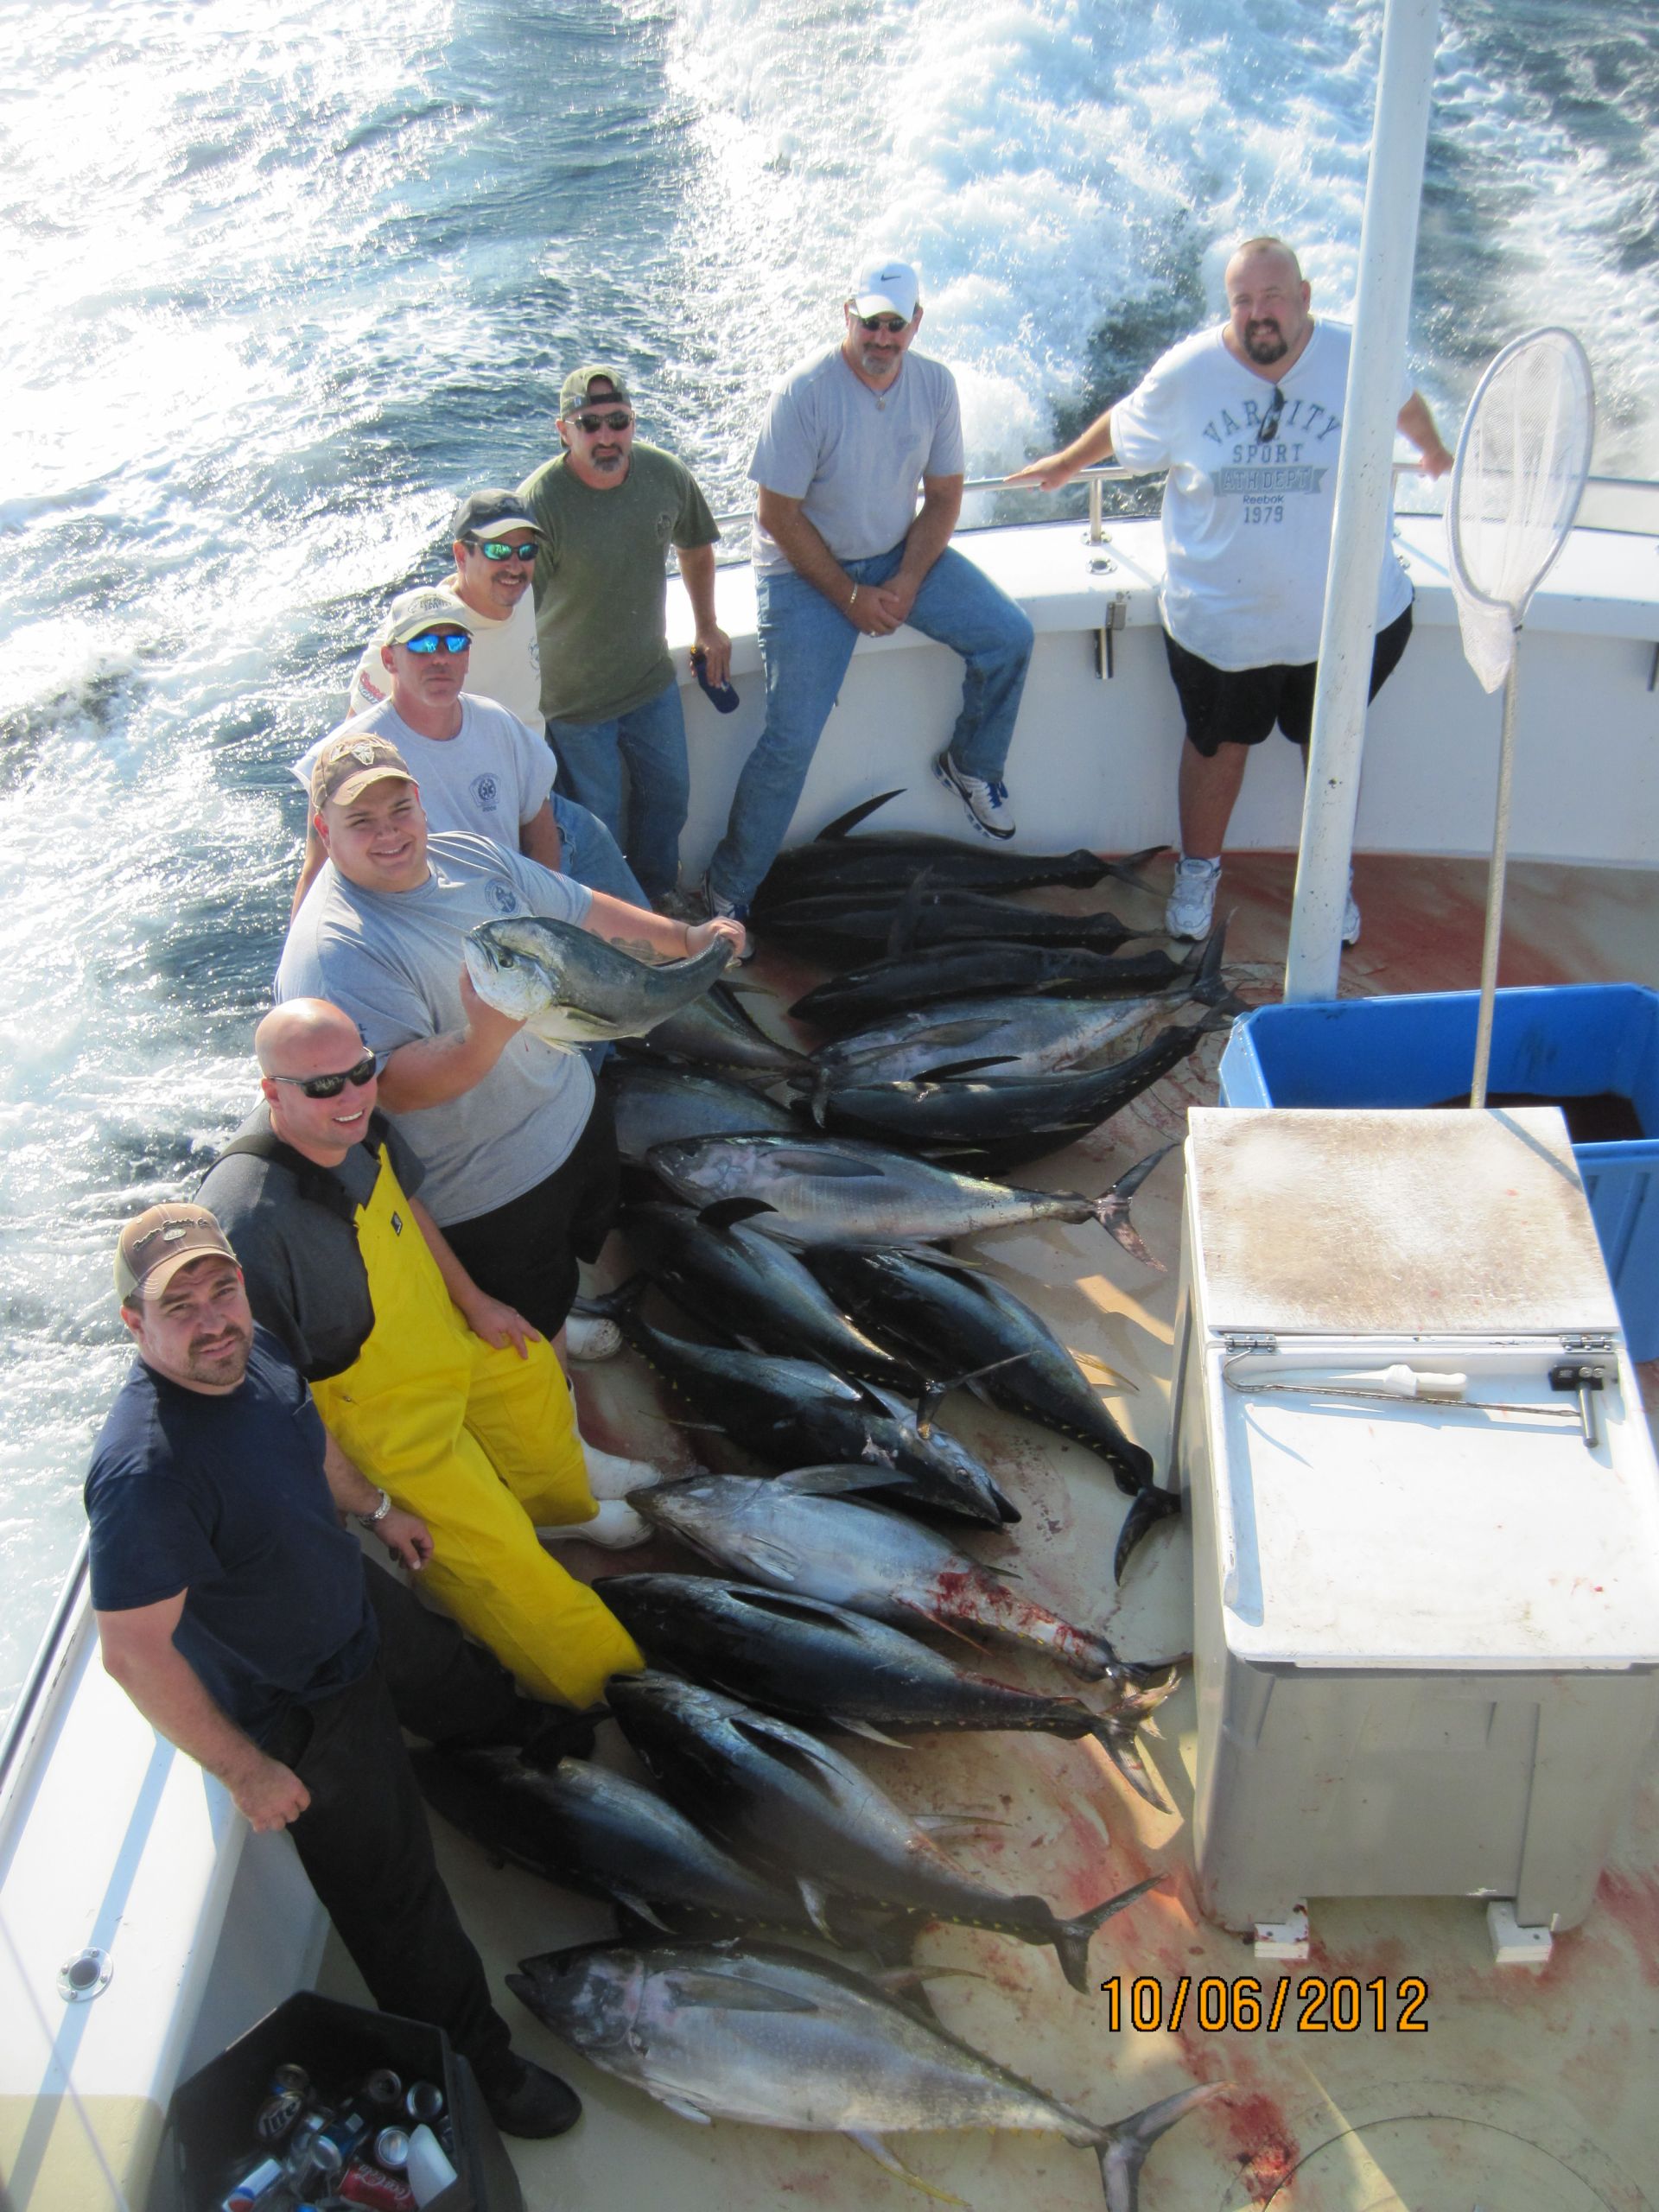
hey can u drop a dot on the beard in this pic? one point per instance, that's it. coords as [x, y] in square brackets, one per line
[225, 1367]
[1265, 342]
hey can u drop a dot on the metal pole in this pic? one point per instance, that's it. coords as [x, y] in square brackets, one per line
[1365, 474]
[1494, 889]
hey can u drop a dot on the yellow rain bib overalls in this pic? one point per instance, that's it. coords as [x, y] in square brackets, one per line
[483, 1446]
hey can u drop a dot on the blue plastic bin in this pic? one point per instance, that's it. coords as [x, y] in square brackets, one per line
[1571, 1041]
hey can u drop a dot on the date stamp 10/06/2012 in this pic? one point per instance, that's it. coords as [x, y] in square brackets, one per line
[1307, 2005]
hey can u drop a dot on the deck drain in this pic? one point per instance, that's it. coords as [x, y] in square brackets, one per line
[85, 1976]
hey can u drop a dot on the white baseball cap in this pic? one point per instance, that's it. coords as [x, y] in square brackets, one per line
[887, 288]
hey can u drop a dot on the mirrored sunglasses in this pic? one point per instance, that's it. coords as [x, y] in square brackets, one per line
[448, 641]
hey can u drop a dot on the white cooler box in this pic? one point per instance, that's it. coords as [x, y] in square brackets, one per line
[1426, 1633]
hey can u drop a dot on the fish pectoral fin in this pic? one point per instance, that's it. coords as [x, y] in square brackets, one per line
[1103, 1377]
[877, 2151]
[950, 1628]
[686, 2110]
[864, 1728]
[724, 1211]
[816, 1899]
[855, 815]
[719, 1993]
[641, 1908]
[957, 1824]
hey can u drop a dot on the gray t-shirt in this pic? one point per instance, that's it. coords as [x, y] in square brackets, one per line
[393, 961]
[292, 1225]
[496, 774]
[855, 458]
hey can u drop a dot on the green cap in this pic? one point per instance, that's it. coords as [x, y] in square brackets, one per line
[573, 392]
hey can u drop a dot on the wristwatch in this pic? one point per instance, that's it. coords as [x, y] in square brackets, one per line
[373, 1520]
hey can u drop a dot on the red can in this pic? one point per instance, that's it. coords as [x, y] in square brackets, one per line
[362, 2183]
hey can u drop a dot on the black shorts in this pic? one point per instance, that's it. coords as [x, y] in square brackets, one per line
[1239, 706]
[525, 1252]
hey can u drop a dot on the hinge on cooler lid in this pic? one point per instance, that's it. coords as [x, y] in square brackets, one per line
[1586, 1344]
[1240, 1343]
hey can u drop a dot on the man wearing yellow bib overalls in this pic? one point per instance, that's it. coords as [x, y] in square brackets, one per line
[445, 1396]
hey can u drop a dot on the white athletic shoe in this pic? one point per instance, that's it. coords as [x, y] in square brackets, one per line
[616, 1527]
[986, 803]
[1351, 915]
[592, 1337]
[610, 1477]
[1192, 898]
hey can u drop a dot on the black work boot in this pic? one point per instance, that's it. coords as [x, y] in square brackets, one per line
[523, 2098]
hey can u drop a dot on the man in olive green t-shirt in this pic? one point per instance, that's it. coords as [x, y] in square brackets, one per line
[608, 509]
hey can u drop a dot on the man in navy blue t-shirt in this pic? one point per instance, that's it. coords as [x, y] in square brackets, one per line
[236, 1612]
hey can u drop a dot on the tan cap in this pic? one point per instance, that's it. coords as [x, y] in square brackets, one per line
[161, 1241]
[348, 764]
[427, 607]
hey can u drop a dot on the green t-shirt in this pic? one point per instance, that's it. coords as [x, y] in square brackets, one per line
[601, 581]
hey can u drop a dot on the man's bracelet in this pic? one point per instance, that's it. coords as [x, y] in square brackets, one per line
[373, 1520]
[852, 600]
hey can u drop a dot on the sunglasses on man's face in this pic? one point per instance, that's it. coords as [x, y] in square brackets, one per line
[893, 324]
[591, 425]
[496, 549]
[445, 641]
[330, 1086]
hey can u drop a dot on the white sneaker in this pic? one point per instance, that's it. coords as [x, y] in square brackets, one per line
[1192, 898]
[986, 803]
[616, 1527]
[610, 1477]
[592, 1337]
[1351, 917]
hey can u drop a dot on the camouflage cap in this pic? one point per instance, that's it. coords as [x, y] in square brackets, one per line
[348, 764]
[161, 1241]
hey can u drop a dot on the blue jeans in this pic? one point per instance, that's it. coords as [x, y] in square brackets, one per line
[651, 740]
[591, 855]
[806, 645]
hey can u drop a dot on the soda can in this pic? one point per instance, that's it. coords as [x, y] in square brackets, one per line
[383, 2089]
[391, 2149]
[291, 2077]
[254, 2188]
[362, 2183]
[424, 2102]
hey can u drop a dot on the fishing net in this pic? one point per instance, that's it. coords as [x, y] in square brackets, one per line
[1520, 473]
[1516, 487]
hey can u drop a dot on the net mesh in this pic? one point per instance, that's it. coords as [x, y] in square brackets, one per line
[1520, 467]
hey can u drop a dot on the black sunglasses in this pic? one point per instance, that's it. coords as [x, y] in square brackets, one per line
[330, 1086]
[1270, 429]
[594, 423]
[891, 323]
[496, 549]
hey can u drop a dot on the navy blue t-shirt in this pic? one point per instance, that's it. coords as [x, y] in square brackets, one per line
[224, 1499]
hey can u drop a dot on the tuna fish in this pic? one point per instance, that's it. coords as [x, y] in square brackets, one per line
[837, 1190]
[791, 1411]
[859, 924]
[879, 988]
[570, 987]
[756, 1289]
[715, 1032]
[762, 2035]
[778, 1796]
[654, 1102]
[955, 1320]
[819, 1663]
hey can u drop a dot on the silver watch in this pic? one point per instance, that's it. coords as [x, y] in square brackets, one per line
[373, 1520]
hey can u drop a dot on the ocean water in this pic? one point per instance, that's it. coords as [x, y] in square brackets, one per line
[283, 282]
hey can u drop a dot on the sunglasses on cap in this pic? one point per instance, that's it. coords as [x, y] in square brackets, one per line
[593, 424]
[891, 323]
[330, 1086]
[496, 549]
[448, 641]
[1270, 429]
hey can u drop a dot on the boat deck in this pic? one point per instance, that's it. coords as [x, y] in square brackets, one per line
[1522, 2090]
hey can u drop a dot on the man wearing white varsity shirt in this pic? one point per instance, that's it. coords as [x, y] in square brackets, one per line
[1247, 417]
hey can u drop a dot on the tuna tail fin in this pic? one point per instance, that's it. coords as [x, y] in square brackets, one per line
[855, 815]
[1071, 1937]
[1208, 986]
[1123, 2145]
[1116, 1736]
[614, 1304]
[1112, 1209]
[1128, 870]
[1151, 1506]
